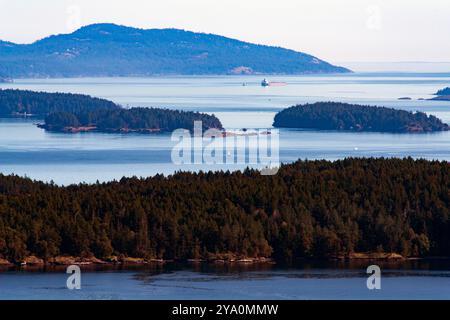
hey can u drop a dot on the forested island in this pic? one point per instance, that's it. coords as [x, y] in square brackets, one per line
[64, 112]
[112, 50]
[140, 120]
[310, 209]
[352, 117]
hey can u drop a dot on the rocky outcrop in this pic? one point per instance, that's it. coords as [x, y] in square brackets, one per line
[372, 256]
[68, 260]
[33, 261]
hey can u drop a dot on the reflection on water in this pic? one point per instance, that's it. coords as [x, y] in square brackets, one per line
[418, 279]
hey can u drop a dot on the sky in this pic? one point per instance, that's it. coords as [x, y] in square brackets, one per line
[337, 31]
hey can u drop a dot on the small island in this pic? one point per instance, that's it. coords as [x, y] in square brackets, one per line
[134, 120]
[72, 113]
[359, 118]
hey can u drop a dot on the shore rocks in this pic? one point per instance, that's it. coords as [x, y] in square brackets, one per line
[372, 256]
[33, 261]
[67, 260]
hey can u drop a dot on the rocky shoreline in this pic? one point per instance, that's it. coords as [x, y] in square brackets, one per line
[224, 259]
[115, 260]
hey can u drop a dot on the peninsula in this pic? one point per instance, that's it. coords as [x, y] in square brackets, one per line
[71, 113]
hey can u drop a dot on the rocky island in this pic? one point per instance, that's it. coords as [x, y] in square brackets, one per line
[359, 118]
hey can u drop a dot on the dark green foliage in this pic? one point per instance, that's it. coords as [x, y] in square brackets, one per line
[62, 110]
[132, 119]
[61, 120]
[343, 116]
[443, 92]
[16, 102]
[309, 209]
[112, 50]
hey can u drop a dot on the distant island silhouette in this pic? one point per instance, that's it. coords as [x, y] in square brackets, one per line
[113, 50]
[352, 117]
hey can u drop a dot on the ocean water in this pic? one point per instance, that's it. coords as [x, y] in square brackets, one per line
[239, 102]
[73, 158]
[302, 282]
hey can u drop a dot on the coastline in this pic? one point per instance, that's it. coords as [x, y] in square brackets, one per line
[61, 261]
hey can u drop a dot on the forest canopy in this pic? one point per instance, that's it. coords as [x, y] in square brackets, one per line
[443, 92]
[310, 209]
[352, 117]
[134, 119]
[65, 110]
[25, 102]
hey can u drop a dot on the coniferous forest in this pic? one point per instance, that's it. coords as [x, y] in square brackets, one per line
[443, 92]
[134, 119]
[352, 117]
[315, 209]
[64, 112]
[24, 102]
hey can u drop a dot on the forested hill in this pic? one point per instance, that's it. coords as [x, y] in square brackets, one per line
[112, 50]
[23, 102]
[309, 209]
[352, 117]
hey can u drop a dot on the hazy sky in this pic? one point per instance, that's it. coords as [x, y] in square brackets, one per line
[337, 31]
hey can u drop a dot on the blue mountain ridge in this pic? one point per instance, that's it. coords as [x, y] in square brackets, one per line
[114, 50]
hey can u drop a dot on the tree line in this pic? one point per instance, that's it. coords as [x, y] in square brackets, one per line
[310, 209]
[25, 102]
[62, 110]
[443, 92]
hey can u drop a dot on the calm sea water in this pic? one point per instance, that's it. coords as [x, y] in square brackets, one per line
[305, 281]
[28, 151]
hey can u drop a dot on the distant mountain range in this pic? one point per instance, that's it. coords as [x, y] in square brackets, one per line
[113, 50]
